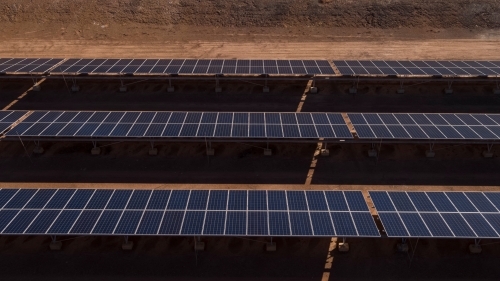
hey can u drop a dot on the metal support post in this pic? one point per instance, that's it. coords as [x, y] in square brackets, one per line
[95, 150]
[170, 88]
[153, 150]
[38, 149]
[401, 90]
[476, 247]
[54, 244]
[343, 246]
[430, 153]
[127, 245]
[403, 246]
[488, 153]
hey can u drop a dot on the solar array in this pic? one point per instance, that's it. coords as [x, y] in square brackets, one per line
[426, 126]
[8, 117]
[425, 68]
[193, 66]
[182, 124]
[439, 214]
[185, 212]
[27, 65]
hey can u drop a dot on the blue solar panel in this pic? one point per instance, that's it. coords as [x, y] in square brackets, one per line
[193, 222]
[42, 222]
[40, 199]
[277, 200]
[382, 200]
[198, 200]
[257, 200]
[439, 214]
[139, 199]
[178, 200]
[237, 200]
[64, 221]
[86, 222]
[150, 222]
[257, 224]
[316, 201]
[393, 225]
[119, 199]
[20, 199]
[125, 212]
[21, 221]
[6, 195]
[172, 222]
[322, 224]
[218, 200]
[279, 224]
[300, 223]
[344, 226]
[236, 223]
[401, 201]
[214, 223]
[336, 201]
[296, 200]
[128, 222]
[356, 201]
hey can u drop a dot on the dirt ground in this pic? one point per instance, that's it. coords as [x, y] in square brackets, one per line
[279, 29]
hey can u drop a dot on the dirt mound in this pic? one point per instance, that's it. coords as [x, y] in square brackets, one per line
[258, 13]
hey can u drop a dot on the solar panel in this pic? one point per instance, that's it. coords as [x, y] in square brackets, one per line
[438, 214]
[102, 124]
[417, 68]
[193, 66]
[185, 212]
[27, 65]
[425, 126]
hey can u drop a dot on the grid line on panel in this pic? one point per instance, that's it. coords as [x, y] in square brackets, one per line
[416, 210]
[105, 206]
[60, 212]
[90, 198]
[123, 211]
[288, 210]
[145, 206]
[185, 210]
[164, 212]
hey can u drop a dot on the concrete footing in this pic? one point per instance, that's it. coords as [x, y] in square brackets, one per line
[430, 154]
[372, 153]
[75, 88]
[218, 89]
[475, 249]
[55, 245]
[270, 247]
[170, 89]
[487, 154]
[448, 91]
[401, 91]
[95, 151]
[268, 152]
[127, 246]
[343, 247]
[123, 89]
[325, 152]
[38, 150]
[496, 91]
[199, 246]
[37, 88]
[403, 248]
[210, 152]
[313, 90]
[153, 151]
[265, 89]
[353, 90]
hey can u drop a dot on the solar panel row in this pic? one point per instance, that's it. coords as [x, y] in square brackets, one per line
[185, 212]
[27, 65]
[193, 66]
[8, 117]
[426, 126]
[423, 68]
[439, 214]
[182, 124]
